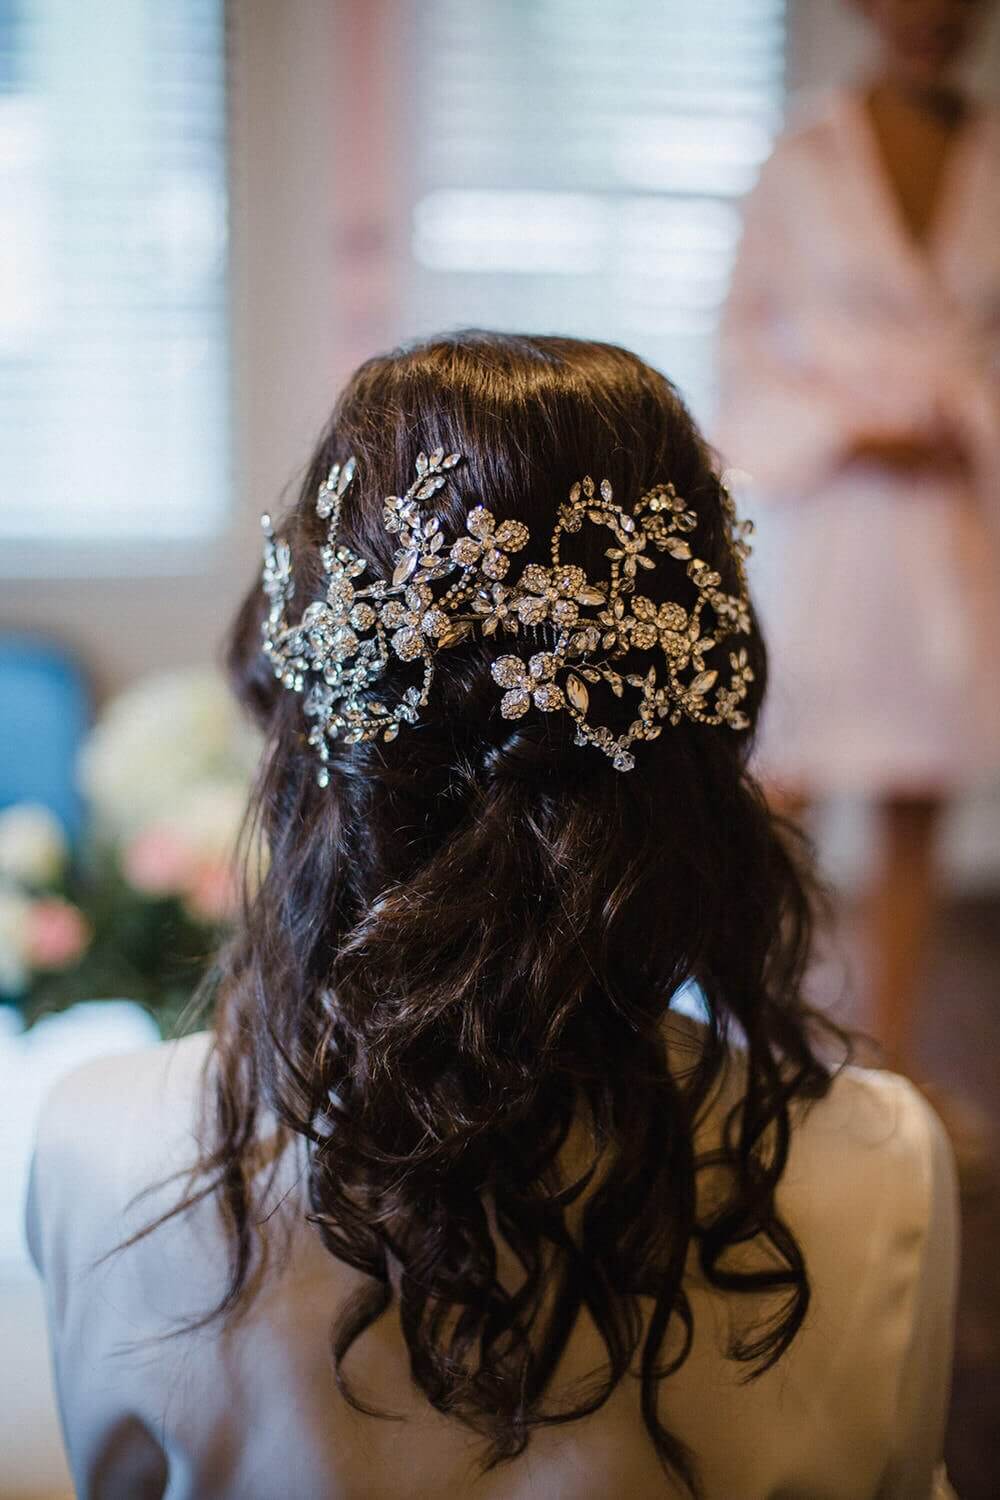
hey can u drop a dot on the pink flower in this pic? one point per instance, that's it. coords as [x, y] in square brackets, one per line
[56, 934]
[211, 895]
[157, 863]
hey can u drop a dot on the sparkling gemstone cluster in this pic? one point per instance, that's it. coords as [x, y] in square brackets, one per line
[337, 654]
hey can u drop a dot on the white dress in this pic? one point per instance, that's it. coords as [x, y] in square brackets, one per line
[855, 1410]
[880, 594]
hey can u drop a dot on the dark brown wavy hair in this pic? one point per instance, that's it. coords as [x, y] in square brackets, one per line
[466, 946]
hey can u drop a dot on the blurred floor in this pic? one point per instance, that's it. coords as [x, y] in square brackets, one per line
[958, 1046]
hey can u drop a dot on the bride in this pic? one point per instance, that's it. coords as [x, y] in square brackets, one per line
[451, 1198]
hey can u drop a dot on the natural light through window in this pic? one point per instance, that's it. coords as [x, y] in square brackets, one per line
[578, 166]
[113, 338]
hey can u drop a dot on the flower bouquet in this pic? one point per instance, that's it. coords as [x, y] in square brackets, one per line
[138, 910]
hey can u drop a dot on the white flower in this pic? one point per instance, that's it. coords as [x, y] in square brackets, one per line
[32, 845]
[192, 852]
[208, 820]
[156, 741]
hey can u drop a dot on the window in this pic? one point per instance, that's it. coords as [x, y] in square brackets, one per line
[113, 360]
[578, 164]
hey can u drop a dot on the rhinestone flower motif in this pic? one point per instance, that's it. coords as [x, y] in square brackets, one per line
[412, 618]
[651, 624]
[487, 545]
[555, 594]
[495, 608]
[438, 594]
[631, 553]
[528, 684]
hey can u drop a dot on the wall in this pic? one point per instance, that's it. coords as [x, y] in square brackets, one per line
[314, 244]
[284, 340]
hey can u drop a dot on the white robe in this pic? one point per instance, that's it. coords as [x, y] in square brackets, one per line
[855, 1411]
[880, 594]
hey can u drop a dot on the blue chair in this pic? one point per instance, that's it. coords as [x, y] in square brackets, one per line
[44, 714]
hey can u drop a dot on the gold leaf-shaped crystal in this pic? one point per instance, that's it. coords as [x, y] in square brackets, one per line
[606, 489]
[404, 568]
[457, 631]
[678, 549]
[429, 487]
[703, 682]
[577, 694]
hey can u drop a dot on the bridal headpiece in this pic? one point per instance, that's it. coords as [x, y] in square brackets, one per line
[440, 593]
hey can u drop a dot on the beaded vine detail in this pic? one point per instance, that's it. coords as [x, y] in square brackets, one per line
[337, 654]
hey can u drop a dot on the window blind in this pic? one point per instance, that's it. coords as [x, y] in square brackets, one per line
[113, 362]
[576, 166]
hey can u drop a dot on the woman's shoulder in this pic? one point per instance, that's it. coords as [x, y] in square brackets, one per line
[872, 1122]
[871, 1182]
[117, 1101]
[110, 1129]
[871, 1191]
[869, 1158]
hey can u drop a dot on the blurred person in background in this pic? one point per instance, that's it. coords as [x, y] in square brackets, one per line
[449, 1154]
[861, 388]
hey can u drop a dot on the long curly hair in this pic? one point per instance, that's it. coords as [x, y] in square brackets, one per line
[464, 949]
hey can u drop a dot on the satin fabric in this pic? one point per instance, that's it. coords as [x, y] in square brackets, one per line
[249, 1410]
[879, 592]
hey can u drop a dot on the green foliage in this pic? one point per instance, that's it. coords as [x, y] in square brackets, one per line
[143, 948]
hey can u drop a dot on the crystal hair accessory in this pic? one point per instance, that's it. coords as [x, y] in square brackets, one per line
[338, 653]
